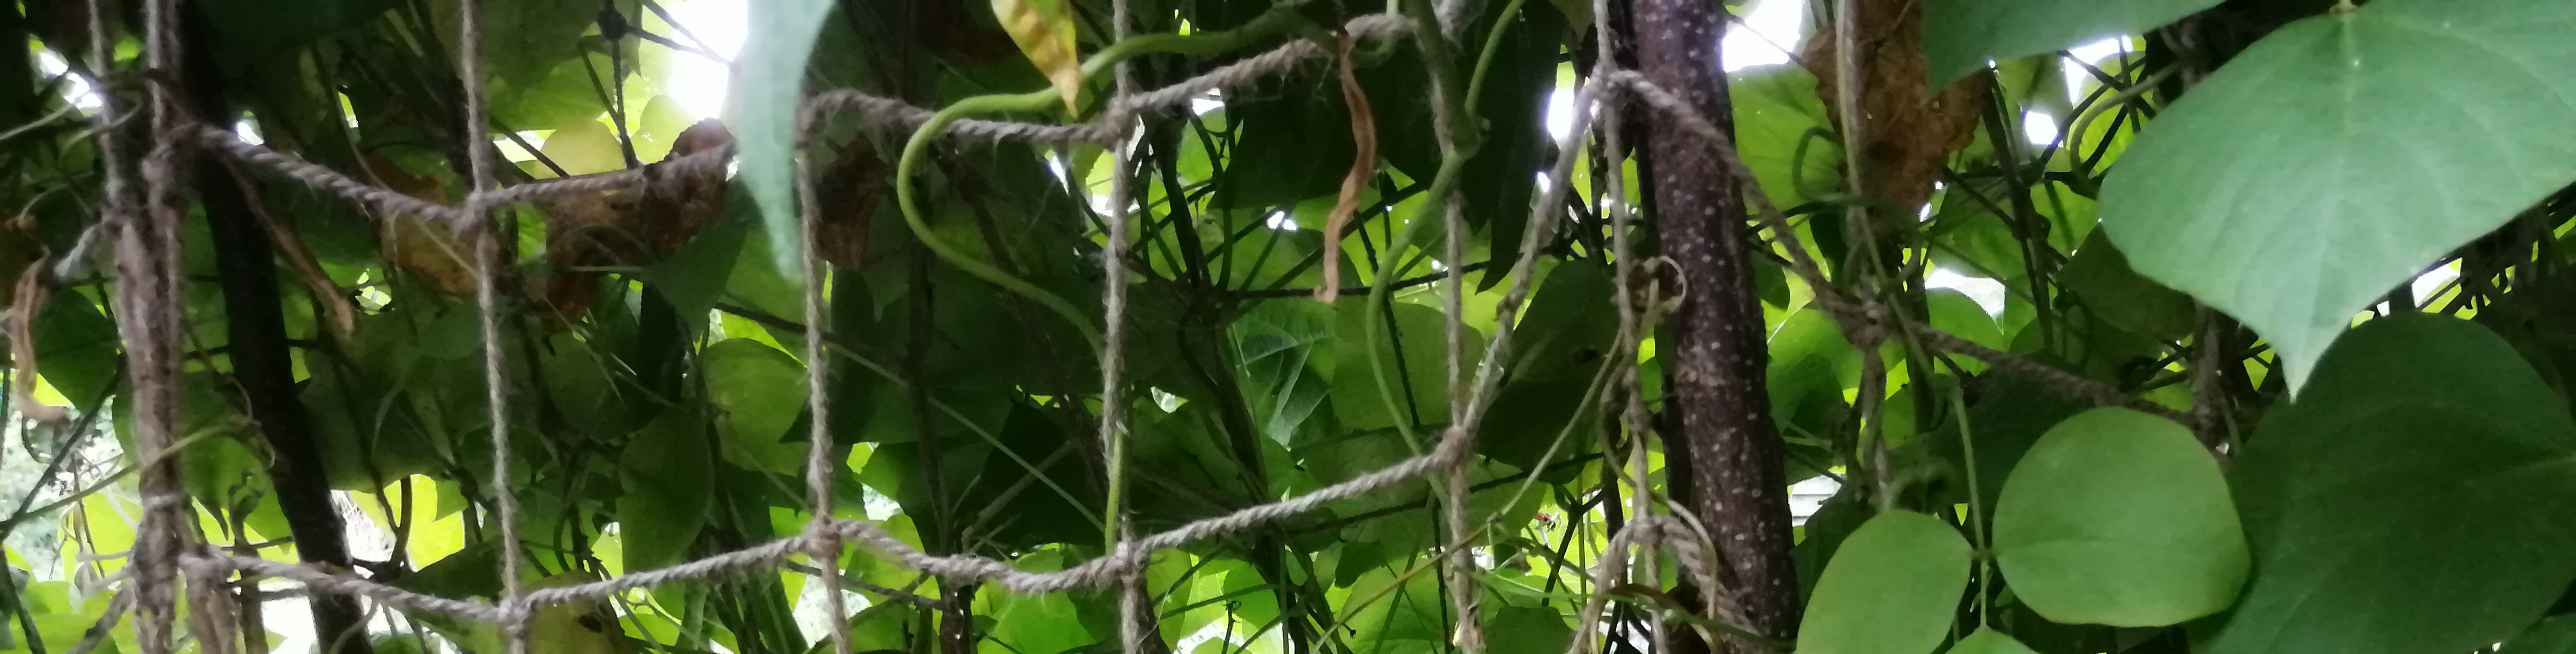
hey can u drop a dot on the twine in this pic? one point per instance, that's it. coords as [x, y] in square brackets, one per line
[479, 218]
[147, 252]
[1132, 616]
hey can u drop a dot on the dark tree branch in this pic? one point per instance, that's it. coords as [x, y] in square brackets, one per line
[1725, 419]
[256, 326]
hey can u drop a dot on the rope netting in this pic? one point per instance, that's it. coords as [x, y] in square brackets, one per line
[145, 230]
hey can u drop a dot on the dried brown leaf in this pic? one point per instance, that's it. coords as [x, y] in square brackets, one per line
[1909, 131]
[423, 248]
[624, 228]
[27, 301]
[1354, 183]
[852, 189]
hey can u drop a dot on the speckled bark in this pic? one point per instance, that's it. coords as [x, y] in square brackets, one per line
[1719, 358]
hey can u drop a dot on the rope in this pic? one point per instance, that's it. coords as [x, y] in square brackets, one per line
[319, 176]
[210, 617]
[480, 219]
[1132, 615]
[148, 263]
[147, 254]
[826, 552]
[870, 108]
[896, 115]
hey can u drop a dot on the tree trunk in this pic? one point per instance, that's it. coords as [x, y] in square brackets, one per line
[255, 326]
[1726, 431]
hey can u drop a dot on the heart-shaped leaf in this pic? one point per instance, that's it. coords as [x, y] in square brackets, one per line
[2338, 157]
[2118, 517]
[2413, 501]
[1960, 36]
[1989, 641]
[1890, 589]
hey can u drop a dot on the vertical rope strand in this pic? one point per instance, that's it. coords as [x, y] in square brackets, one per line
[210, 618]
[1633, 417]
[1132, 612]
[147, 255]
[826, 542]
[487, 292]
[1465, 595]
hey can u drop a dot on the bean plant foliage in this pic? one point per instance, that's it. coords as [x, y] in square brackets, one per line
[2234, 327]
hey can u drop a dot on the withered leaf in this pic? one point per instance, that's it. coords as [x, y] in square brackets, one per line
[625, 228]
[1910, 131]
[851, 190]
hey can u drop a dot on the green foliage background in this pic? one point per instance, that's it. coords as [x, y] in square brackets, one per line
[2232, 224]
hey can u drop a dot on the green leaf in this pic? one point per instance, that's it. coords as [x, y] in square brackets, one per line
[1826, 529]
[1515, 144]
[1408, 347]
[1527, 630]
[2556, 635]
[1956, 313]
[1783, 133]
[1806, 376]
[665, 471]
[1045, 33]
[694, 278]
[76, 348]
[2010, 415]
[560, 96]
[1989, 641]
[522, 39]
[1282, 347]
[473, 571]
[1564, 333]
[2341, 155]
[2406, 503]
[268, 26]
[761, 392]
[1043, 622]
[2100, 276]
[1305, 135]
[1960, 36]
[1890, 589]
[363, 441]
[583, 147]
[2117, 517]
[768, 83]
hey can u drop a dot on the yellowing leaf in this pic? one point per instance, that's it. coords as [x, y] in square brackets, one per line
[578, 627]
[1044, 30]
[584, 147]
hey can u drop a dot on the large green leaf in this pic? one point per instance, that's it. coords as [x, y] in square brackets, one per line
[1962, 35]
[768, 83]
[2412, 501]
[761, 391]
[2100, 276]
[2339, 156]
[1989, 641]
[2556, 635]
[522, 39]
[2118, 517]
[665, 470]
[1282, 348]
[1415, 389]
[1890, 589]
